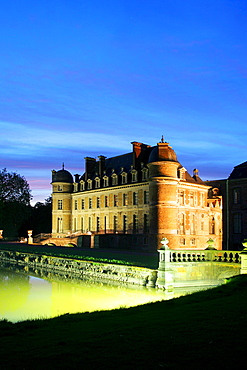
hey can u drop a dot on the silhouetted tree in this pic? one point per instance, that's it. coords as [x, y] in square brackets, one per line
[15, 196]
[42, 217]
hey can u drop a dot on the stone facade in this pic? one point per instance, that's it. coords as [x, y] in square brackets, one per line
[147, 194]
[234, 193]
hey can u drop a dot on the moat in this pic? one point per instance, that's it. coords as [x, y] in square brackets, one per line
[26, 296]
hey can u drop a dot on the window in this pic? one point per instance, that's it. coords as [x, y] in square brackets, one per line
[90, 203]
[59, 204]
[202, 199]
[181, 173]
[82, 224]
[98, 202]
[115, 224]
[82, 185]
[124, 178]
[135, 224]
[182, 224]
[106, 201]
[145, 223]
[105, 181]
[146, 197]
[76, 204]
[82, 204]
[182, 241]
[59, 188]
[75, 224]
[125, 199]
[144, 174]
[89, 184]
[97, 183]
[105, 222]
[134, 175]
[237, 196]
[114, 179]
[181, 198]
[192, 199]
[89, 224]
[135, 198]
[124, 224]
[211, 225]
[237, 223]
[193, 241]
[193, 224]
[59, 225]
[97, 224]
[115, 201]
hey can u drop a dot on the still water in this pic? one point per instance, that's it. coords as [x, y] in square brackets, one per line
[23, 296]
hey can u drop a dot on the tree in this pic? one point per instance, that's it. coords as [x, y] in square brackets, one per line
[41, 217]
[14, 188]
[15, 196]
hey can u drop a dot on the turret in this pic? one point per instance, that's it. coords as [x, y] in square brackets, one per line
[163, 168]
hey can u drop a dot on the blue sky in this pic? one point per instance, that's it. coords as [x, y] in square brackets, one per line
[85, 78]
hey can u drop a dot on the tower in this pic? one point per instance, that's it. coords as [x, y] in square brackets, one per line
[163, 180]
[62, 188]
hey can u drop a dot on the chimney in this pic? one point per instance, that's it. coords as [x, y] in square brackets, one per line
[101, 164]
[77, 177]
[89, 165]
[139, 150]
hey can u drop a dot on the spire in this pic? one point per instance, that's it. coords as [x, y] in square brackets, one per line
[162, 139]
[63, 166]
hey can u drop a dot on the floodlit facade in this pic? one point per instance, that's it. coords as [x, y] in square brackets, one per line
[135, 199]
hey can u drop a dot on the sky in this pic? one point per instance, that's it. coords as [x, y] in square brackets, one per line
[86, 78]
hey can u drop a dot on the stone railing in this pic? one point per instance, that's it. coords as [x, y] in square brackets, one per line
[204, 256]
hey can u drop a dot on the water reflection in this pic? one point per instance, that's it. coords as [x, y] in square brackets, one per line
[24, 296]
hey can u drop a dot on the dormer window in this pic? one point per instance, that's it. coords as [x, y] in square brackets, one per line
[75, 186]
[97, 183]
[181, 173]
[114, 179]
[144, 174]
[124, 177]
[105, 181]
[82, 185]
[89, 184]
[134, 175]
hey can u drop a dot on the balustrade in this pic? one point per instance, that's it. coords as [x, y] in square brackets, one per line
[204, 256]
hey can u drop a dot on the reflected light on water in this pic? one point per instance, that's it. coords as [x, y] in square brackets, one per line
[25, 297]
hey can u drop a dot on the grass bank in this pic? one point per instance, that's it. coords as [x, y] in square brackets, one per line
[206, 330]
[141, 259]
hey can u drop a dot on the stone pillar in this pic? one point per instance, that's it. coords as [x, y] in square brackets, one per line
[1, 234]
[243, 254]
[165, 275]
[30, 239]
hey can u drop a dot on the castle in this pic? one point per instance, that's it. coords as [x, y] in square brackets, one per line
[134, 200]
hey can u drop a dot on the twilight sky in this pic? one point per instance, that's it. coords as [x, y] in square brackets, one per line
[86, 77]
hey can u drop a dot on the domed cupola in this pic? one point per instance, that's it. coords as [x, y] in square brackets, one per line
[62, 176]
[162, 152]
[163, 161]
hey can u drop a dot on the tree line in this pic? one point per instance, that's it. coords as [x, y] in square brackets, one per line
[16, 213]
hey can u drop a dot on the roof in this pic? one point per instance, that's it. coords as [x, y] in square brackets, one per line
[239, 172]
[62, 176]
